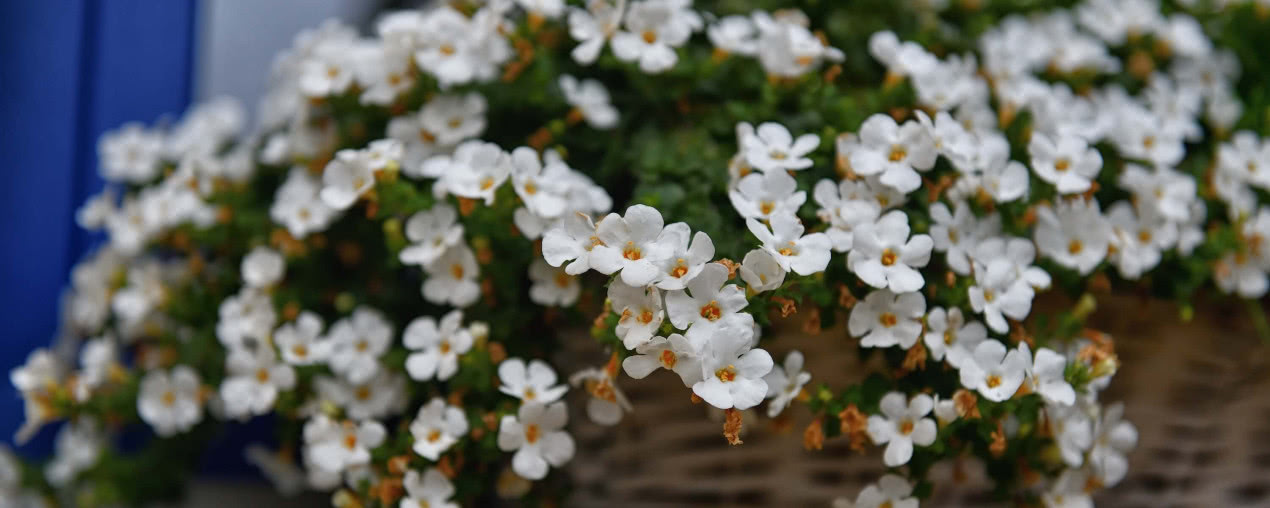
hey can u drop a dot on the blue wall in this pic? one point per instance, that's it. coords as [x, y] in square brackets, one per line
[69, 70]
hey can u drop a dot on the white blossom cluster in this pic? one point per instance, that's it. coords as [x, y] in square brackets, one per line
[678, 306]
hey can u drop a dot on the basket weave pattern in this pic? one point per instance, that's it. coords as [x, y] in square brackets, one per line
[1195, 391]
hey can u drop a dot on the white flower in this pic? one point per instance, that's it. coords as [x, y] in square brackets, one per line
[994, 372]
[1005, 281]
[950, 137]
[786, 47]
[542, 188]
[804, 255]
[733, 372]
[571, 240]
[1073, 432]
[475, 171]
[891, 491]
[902, 424]
[357, 342]
[130, 154]
[1070, 490]
[337, 446]
[1045, 375]
[429, 490]
[550, 9]
[785, 384]
[329, 70]
[1114, 438]
[905, 58]
[41, 373]
[710, 306]
[992, 172]
[170, 400]
[263, 267]
[78, 448]
[1137, 242]
[672, 353]
[437, 346]
[652, 31]
[383, 395]
[535, 434]
[458, 49]
[760, 196]
[957, 233]
[442, 123]
[607, 403]
[761, 271]
[885, 319]
[253, 380]
[1166, 192]
[436, 428]
[772, 149]
[846, 205]
[431, 232]
[97, 359]
[533, 384]
[734, 34]
[386, 74]
[633, 244]
[592, 27]
[685, 260]
[297, 206]
[639, 310]
[452, 278]
[346, 178]
[552, 286]
[895, 152]
[301, 342]
[591, 99]
[1073, 233]
[883, 255]
[949, 335]
[1068, 161]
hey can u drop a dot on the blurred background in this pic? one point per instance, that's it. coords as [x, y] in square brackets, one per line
[73, 69]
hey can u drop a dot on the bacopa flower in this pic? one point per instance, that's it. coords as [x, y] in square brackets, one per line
[633, 244]
[301, 341]
[436, 428]
[1045, 375]
[733, 372]
[437, 346]
[591, 99]
[956, 233]
[429, 490]
[786, 243]
[685, 260]
[452, 278]
[883, 255]
[995, 373]
[592, 27]
[606, 403]
[785, 383]
[949, 336]
[707, 304]
[1005, 281]
[431, 233]
[263, 267]
[895, 152]
[672, 353]
[552, 286]
[652, 31]
[773, 149]
[357, 342]
[639, 311]
[1114, 438]
[253, 381]
[761, 271]
[475, 171]
[535, 383]
[890, 491]
[170, 400]
[336, 446]
[1073, 233]
[571, 240]
[541, 186]
[844, 206]
[1067, 162]
[535, 434]
[902, 424]
[346, 178]
[759, 196]
[885, 319]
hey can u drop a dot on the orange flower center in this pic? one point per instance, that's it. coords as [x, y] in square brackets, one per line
[456, 270]
[887, 319]
[668, 358]
[632, 252]
[726, 374]
[649, 36]
[434, 436]
[888, 257]
[711, 311]
[532, 433]
[1061, 165]
[898, 153]
[993, 381]
[1075, 247]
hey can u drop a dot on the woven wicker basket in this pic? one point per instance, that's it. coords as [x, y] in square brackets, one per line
[1196, 392]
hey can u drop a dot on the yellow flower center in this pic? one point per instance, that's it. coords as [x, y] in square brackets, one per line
[1061, 165]
[632, 252]
[1075, 247]
[445, 347]
[906, 427]
[361, 346]
[766, 207]
[646, 316]
[300, 350]
[434, 436]
[887, 319]
[711, 311]
[530, 394]
[993, 381]
[649, 36]
[668, 358]
[898, 153]
[168, 398]
[456, 270]
[680, 269]
[949, 337]
[726, 374]
[262, 375]
[563, 279]
[888, 257]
